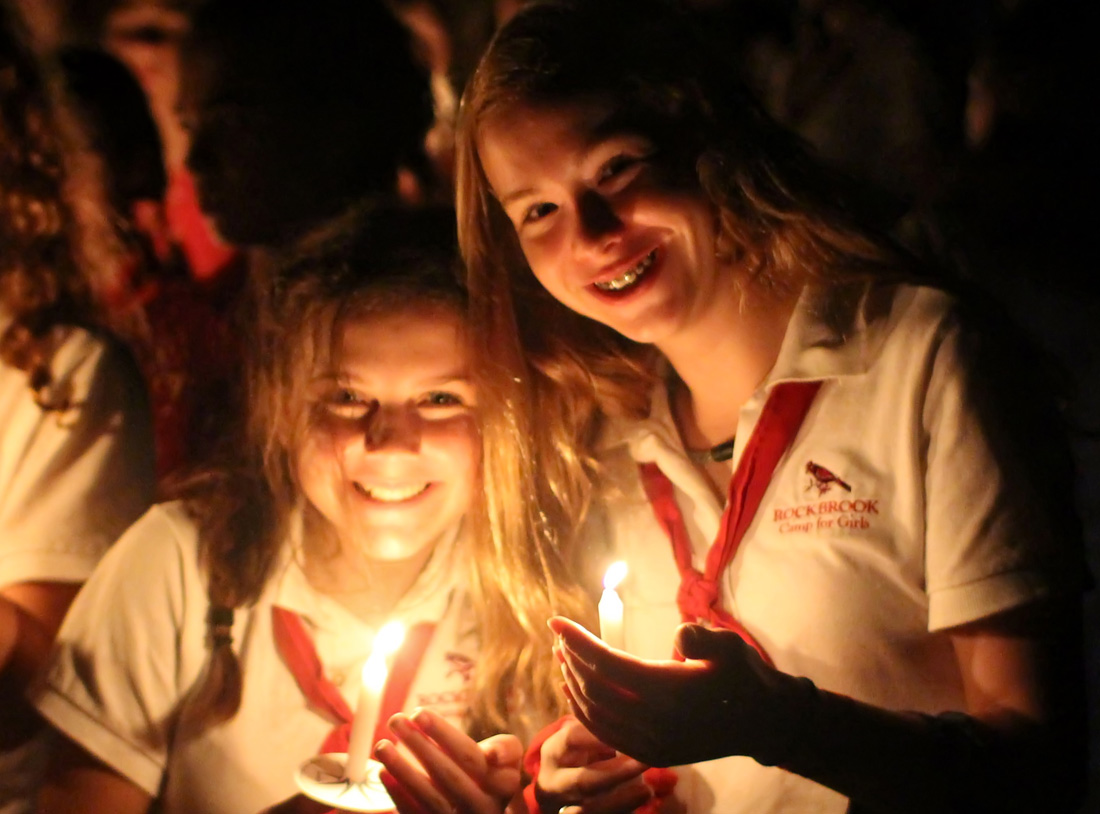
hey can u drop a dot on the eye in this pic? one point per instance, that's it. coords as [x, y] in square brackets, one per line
[345, 403]
[535, 213]
[620, 170]
[442, 398]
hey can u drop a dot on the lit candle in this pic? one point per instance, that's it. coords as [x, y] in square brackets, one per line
[611, 606]
[386, 643]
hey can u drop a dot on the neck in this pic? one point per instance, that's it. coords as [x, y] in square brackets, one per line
[722, 359]
[370, 588]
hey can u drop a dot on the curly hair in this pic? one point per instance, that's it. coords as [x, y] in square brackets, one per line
[49, 212]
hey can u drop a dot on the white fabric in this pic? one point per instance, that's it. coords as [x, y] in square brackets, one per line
[134, 645]
[848, 588]
[71, 481]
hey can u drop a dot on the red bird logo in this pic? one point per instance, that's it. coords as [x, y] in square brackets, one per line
[459, 663]
[823, 478]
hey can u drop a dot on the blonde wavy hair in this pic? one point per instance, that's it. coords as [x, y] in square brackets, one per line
[556, 377]
[369, 263]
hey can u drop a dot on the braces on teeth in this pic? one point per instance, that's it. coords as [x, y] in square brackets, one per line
[630, 276]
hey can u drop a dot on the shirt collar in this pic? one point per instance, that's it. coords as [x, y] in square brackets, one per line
[834, 331]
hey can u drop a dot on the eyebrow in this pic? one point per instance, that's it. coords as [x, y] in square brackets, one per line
[512, 197]
[605, 130]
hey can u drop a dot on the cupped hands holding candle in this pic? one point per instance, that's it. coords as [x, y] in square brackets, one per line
[721, 700]
[436, 767]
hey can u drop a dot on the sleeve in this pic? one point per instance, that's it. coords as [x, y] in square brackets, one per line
[129, 649]
[74, 479]
[1001, 527]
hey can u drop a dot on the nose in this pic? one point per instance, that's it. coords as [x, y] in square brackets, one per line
[393, 429]
[599, 227]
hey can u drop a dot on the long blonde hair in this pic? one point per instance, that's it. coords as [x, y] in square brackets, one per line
[370, 263]
[554, 377]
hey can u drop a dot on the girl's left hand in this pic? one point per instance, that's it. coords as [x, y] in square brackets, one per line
[723, 699]
[441, 770]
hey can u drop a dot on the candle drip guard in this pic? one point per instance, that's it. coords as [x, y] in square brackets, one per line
[324, 778]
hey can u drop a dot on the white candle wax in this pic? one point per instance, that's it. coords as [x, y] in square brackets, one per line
[361, 740]
[611, 607]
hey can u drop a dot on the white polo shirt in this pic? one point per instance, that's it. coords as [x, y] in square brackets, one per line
[850, 587]
[133, 645]
[71, 481]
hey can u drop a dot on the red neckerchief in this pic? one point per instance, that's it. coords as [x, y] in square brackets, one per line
[697, 598]
[296, 648]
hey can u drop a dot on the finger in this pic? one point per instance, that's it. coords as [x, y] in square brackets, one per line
[573, 746]
[622, 799]
[502, 750]
[583, 652]
[581, 740]
[446, 775]
[626, 736]
[613, 711]
[503, 784]
[597, 688]
[504, 755]
[701, 643]
[402, 800]
[597, 778]
[461, 748]
[411, 779]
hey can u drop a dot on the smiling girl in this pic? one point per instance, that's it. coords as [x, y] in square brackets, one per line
[208, 657]
[821, 462]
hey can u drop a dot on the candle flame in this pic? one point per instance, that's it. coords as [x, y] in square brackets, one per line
[386, 643]
[389, 638]
[616, 573]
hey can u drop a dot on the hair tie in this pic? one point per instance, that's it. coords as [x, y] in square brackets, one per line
[219, 624]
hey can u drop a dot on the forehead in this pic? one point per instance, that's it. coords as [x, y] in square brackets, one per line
[584, 122]
[417, 337]
[522, 140]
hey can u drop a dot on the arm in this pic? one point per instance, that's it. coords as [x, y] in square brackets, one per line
[77, 783]
[1016, 748]
[30, 613]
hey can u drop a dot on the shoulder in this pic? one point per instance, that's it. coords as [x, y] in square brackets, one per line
[93, 367]
[161, 546]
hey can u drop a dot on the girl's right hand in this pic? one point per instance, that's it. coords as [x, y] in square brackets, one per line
[578, 770]
[439, 769]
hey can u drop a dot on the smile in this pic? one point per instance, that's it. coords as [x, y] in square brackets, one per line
[630, 276]
[384, 494]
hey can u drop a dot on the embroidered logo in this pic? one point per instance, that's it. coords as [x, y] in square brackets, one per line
[458, 663]
[824, 511]
[823, 479]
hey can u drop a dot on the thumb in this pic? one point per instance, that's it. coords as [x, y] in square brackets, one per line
[700, 642]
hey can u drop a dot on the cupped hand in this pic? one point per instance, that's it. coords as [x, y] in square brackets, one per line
[723, 699]
[439, 769]
[577, 769]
